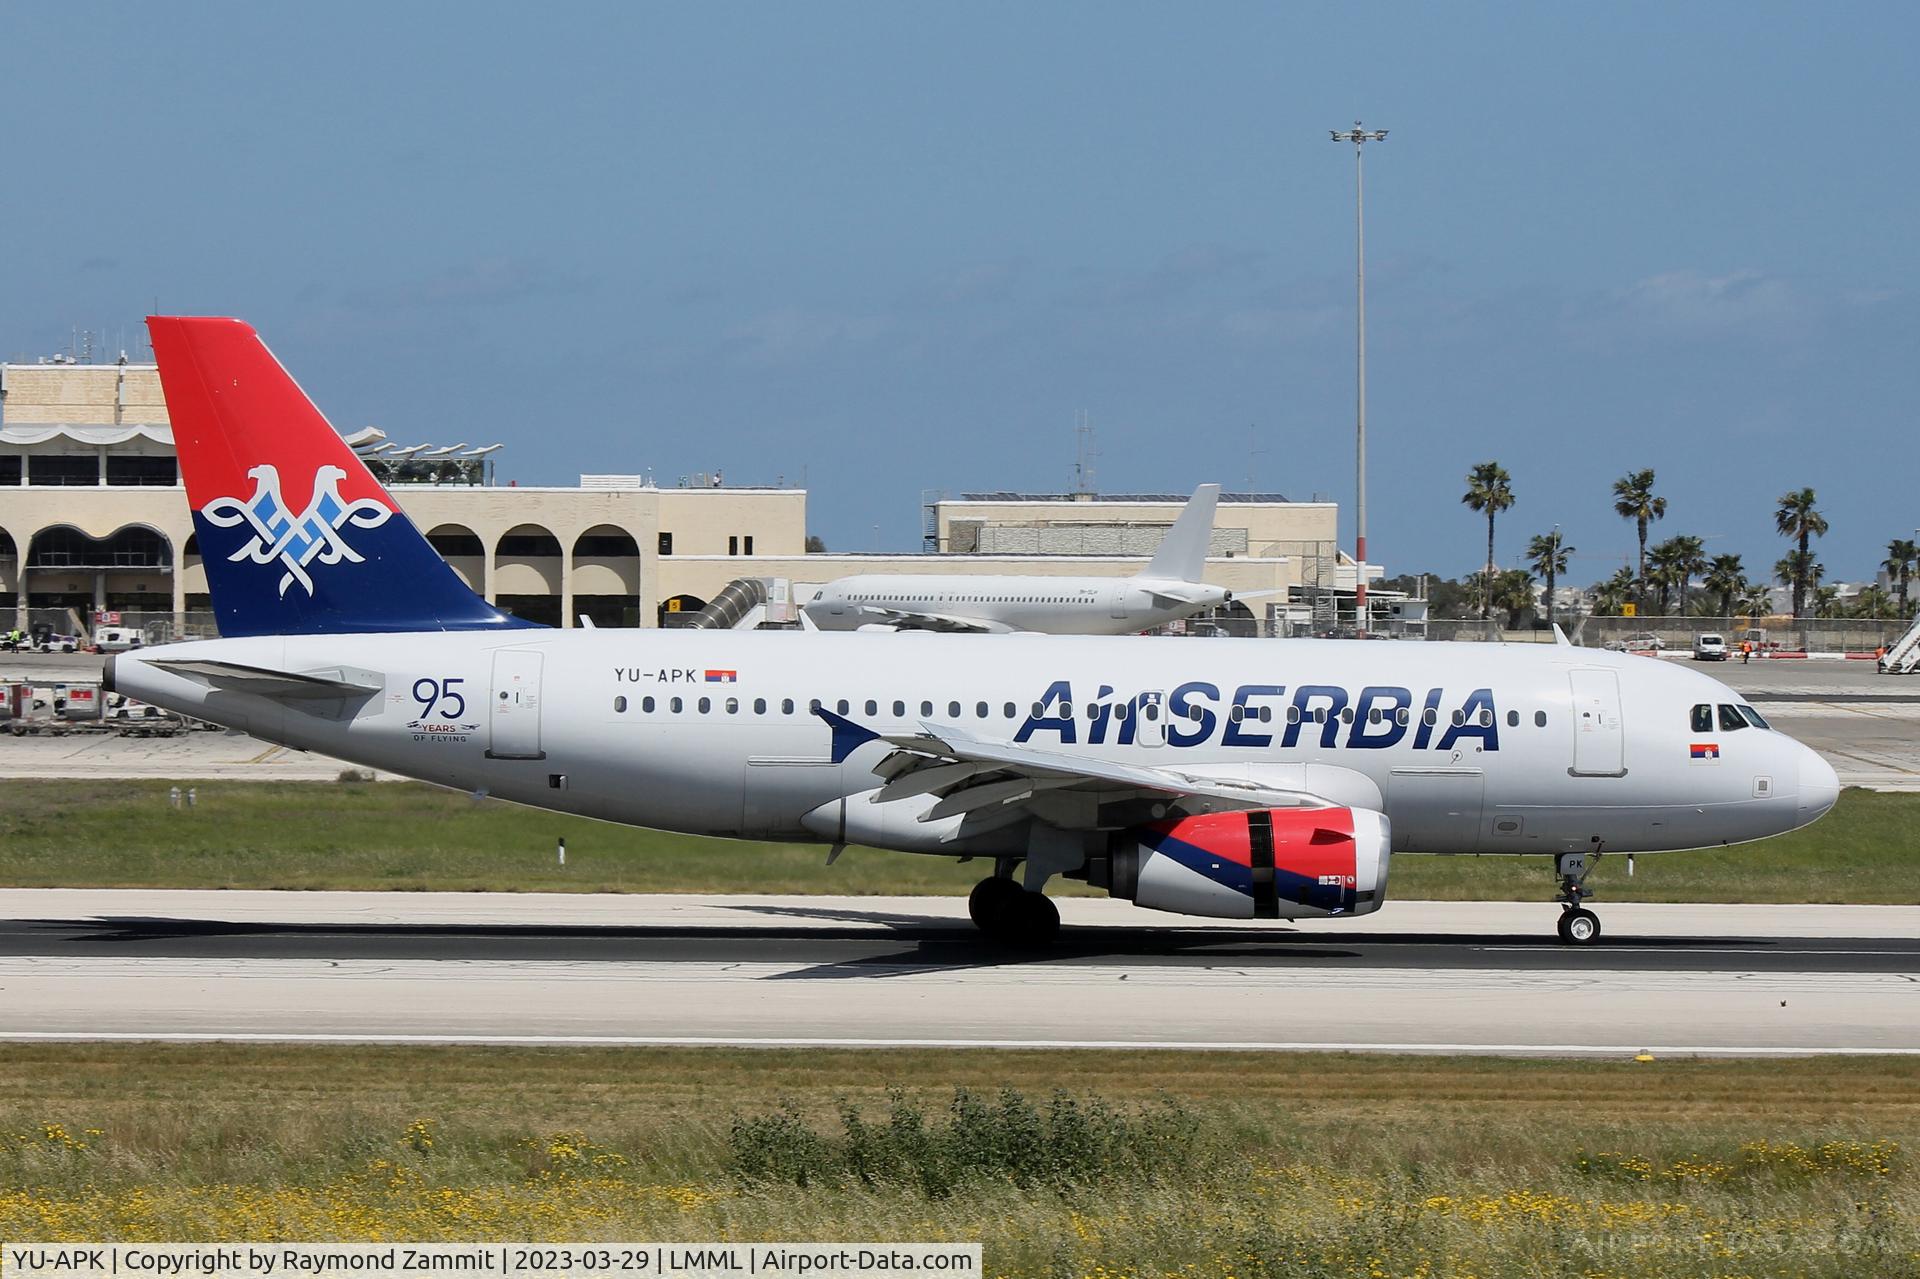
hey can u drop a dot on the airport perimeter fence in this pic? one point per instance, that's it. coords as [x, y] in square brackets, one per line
[155, 627]
[1676, 634]
[1781, 634]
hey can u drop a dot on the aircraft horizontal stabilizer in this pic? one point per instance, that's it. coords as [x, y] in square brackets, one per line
[262, 682]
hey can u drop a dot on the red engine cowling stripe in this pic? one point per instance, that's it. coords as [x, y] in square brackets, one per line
[1266, 894]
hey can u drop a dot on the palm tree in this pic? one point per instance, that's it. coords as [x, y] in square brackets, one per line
[1903, 556]
[1547, 555]
[1513, 592]
[1795, 516]
[1633, 499]
[1873, 601]
[1490, 490]
[1689, 561]
[1758, 602]
[1727, 576]
[1669, 560]
[1801, 571]
[1826, 601]
[1609, 596]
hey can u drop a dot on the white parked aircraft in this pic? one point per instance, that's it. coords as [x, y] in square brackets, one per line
[1235, 779]
[1169, 588]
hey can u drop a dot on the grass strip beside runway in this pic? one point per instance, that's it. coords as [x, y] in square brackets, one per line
[404, 836]
[1268, 1164]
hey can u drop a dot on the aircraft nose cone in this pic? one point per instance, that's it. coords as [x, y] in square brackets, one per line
[1819, 786]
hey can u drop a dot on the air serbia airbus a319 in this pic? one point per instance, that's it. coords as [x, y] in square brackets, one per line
[1226, 778]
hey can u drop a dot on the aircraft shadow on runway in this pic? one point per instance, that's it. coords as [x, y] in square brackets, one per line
[902, 944]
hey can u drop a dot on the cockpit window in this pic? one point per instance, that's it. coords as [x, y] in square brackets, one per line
[1753, 716]
[1703, 718]
[1731, 720]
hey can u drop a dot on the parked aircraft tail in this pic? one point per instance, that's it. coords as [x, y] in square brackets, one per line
[296, 534]
[1183, 552]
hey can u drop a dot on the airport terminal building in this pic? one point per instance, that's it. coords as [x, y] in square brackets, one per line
[93, 518]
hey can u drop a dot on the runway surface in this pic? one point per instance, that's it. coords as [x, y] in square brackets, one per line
[1444, 977]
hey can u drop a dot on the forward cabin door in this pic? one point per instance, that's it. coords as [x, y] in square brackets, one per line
[1599, 735]
[514, 708]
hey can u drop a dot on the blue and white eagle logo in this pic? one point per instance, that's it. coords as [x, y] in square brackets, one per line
[296, 540]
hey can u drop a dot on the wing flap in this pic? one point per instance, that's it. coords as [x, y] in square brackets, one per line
[945, 762]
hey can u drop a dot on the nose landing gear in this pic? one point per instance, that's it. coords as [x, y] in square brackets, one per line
[1009, 914]
[1578, 925]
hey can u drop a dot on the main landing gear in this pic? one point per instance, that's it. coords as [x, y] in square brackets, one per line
[1578, 925]
[1009, 914]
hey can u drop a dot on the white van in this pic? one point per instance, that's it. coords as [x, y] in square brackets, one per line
[1709, 648]
[117, 639]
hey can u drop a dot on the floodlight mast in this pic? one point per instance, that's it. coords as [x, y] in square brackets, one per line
[1360, 136]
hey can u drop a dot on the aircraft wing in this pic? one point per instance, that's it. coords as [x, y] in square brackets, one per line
[895, 619]
[287, 685]
[969, 774]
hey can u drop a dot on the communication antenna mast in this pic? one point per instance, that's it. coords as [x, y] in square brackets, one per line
[1084, 453]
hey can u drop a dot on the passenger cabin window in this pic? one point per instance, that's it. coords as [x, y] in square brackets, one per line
[981, 710]
[1731, 720]
[646, 704]
[1513, 719]
[733, 706]
[842, 706]
[706, 705]
[786, 706]
[759, 706]
[873, 707]
[899, 710]
[675, 705]
[953, 710]
[1702, 721]
[1539, 719]
[926, 710]
[619, 704]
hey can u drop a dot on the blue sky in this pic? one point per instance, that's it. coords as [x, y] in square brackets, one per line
[891, 247]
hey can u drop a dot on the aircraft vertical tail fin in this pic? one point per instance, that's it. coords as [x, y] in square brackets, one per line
[297, 536]
[1183, 552]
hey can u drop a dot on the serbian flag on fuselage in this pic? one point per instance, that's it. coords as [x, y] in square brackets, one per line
[1706, 750]
[723, 677]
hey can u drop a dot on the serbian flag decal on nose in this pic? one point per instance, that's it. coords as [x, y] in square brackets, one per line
[1706, 750]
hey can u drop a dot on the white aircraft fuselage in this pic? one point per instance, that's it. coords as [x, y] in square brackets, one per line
[1042, 605]
[1501, 748]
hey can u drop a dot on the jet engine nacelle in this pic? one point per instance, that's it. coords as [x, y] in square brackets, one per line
[1267, 863]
